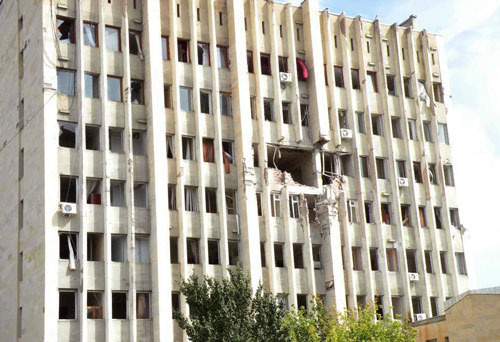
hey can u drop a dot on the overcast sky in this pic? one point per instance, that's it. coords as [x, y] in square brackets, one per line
[471, 29]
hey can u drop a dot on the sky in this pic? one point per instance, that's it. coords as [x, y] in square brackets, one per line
[471, 31]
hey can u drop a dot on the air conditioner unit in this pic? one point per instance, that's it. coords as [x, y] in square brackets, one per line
[413, 276]
[346, 133]
[317, 265]
[420, 317]
[403, 182]
[67, 208]
[285, 77]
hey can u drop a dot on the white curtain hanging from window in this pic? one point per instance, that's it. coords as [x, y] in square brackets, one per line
[142, 250]
[194, 250]
[205, 54]
[72, 264]
[91, 186]
[172, 199]
[89, 35]
[170, 145]
[422, 94]
[112, 39]
[191, 200]
[138, 42]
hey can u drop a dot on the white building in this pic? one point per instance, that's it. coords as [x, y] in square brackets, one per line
[147, 140]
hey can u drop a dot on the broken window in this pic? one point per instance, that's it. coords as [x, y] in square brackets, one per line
[231, 201]
[188, 148]
[222, 57]
[298, 258]
[417, 173]
[454, 218]
[461, 266]
[139, 142]
[437, 218]
[213, 252]
[316, 254]
[234, 252]
[449, 179]
[330, 166]
[380, 163]
[95, 247]
[66, 30]
[193, 248]
[407, 86]
[135, 43]
[90, 37]
[287, 112]
[211, 200]
[68, 246]
[117, 193]
[191, 198]
[377, 125]
[203, 54]
[66, 82]
[427, 131]
[275, 205]
[186, 99]
[183, 50]
[165, 53]
[343, 121]
[119, 305]
[374, 258]
[167, 99]
[386, 213]
[92, 137]
[112, 38]
[392, 260]
[283, 64]
[137, 92]
[265, 64]
[268, 110]
[68, 189]
[369, 212]
[94, 191]
[174, 250]
[422, 216]
[172, 198]
[428, 261]
[346, 167]
[444, 262]
[396, 127]
[227, 154]
[115, 139]
[205, 101]
[114, 88]
[364, 166]
[225, 104]
[433, 176]
[438, 92]
[140, 195]
[443, 133]
[357, 262]
[170, 146]
[250, 61]
[208, 150]
[411, 260]
[339, 77]
[391, 85]
[412, 129]
[143, 305]
[119, 248]
[355, 79]
[91, 85]
[142, 249]
[360, 118]
[67, 304]
[294, 206]
[352, 211]
[67, 134]
[372, 81]
[279, 260]
[94, 305]
[405, 215]
[304, 115]
[259, 203]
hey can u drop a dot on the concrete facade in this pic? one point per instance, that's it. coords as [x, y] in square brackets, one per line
[187, 138]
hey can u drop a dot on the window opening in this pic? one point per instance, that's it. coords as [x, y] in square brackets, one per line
[67, 134]
[191, 198]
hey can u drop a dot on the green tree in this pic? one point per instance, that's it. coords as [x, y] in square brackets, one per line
[227, 310]
[323, 325]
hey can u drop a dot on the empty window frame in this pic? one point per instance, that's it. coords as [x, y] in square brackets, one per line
[355, 79]
[268, 110]
[302, 301]
[286, 112]
[94, 305]
[265, 64]
[250, 61]
[396, 127]
[411, 260]
[380, 163]
[119, 248]
[116, 139]
[213, 252]
[262, 254]
[316, 254]
[227, 154]
[371, 82]
[444, 262]
[405, 215]
[234, 252]
[225, 104]
[443, 133]
[259, 203]
[454, 218]
[386, 213]
[142, 249]
[188, 151]
[357, 262]
[438, 92]
[222, 57]
[304, 115]
[165, 53]
[428, 261]
[174, 250]
[298, 257]
[417, 173]
[374, 258]
[167, 98]
[407, 86]
[140, 195]
[343, 121]
[67, 134]
[437, 218]
[114, 88]
[346, 167]
[139, 142]
[275, 205]
[279, 260]
[176, 301]
[91, 85]
[461, 265]
[191, 198]
[377, 125]
[68, 189]
[205, 101]
[412, 129]
[68, 304]
[434, 308]
[183, 53]
[369, 212]
[66, 30]
[427, 131]
[283, 64]
[352, 211]
[119, 305]
[449, 179]
[117, 193]
[92, 137]
[203, 54]
[230, 201]
[422, 216]
[170, 146]
[113, 39]
[294, 203]
[66, 81]
[363, 160]
[135, 42]
[68, 246]
[391, 85]
[211, 200]
[208, 150]
[392, 259]
[137, 92]
[339, 77]
[193, 250]
[94, 191]
[360, 119]
[401, 167]
[95, 247]
[416, 303]
[433, 176]
[186, 99]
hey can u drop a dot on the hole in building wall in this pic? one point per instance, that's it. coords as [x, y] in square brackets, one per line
[298, 163]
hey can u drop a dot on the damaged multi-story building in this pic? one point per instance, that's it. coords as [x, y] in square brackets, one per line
[144, 141]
